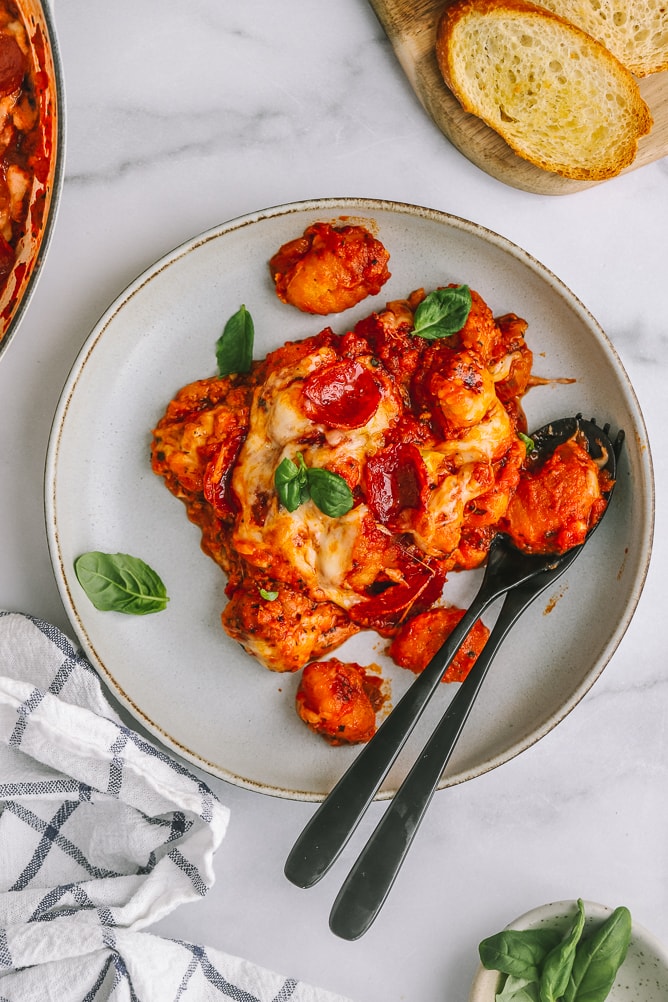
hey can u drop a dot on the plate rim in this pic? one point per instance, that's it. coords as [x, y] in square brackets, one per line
[350, 204]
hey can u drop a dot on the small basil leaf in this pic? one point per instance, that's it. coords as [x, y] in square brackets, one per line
[268, 596]
[119, 582]
[329, 492]
[598, 958]
[518, 952]
[286, 471]
[443, 313]
[291, 483]
[234, 348]
[529, 443]
[558, 964]
[518, 990]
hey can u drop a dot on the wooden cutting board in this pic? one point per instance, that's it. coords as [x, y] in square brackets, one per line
[411, 28]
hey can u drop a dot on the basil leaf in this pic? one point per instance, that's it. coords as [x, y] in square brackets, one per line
[443, 313]
[518, 990]
[295, 483]
[234, 347]
[329, 492]
[286, 471]
[291, 483]
[118, 582]
[518, 952]
[529, 443]
[558, 964]
[598, 958]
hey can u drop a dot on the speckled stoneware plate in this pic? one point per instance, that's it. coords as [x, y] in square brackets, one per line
[643, 977]
[177, 671]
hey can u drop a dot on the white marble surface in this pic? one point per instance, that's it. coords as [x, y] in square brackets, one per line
[181, 116]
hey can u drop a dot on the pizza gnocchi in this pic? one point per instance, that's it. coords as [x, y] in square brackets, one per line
[340, 480]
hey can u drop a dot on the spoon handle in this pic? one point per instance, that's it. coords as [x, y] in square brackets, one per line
[367, 885]
[331, 826]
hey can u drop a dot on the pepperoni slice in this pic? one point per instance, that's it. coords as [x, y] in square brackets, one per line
[396, 478]
[13, 64]
[341, 395]
[7, 258]
[218, 475]
[420, 588]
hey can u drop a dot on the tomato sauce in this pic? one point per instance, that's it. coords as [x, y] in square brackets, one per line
[24, 153]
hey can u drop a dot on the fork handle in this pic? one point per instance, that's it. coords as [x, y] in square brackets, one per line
[331, 826]
[323, 838]
[369, 882]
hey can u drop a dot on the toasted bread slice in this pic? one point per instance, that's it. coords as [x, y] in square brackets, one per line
[636, 31]
[558, 97]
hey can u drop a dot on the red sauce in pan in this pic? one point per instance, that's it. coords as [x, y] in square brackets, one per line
[24, 138]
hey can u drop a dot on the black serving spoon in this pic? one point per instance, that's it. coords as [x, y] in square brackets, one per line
[523, 577]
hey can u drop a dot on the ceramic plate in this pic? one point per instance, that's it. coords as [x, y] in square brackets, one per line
[642, 976]
[177, 671]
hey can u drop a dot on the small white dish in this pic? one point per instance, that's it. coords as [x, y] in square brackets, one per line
[643, 977]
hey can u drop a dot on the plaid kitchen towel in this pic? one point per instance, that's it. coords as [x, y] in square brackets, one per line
[101, 834]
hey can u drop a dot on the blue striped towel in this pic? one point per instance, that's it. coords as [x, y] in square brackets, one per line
[101, 835]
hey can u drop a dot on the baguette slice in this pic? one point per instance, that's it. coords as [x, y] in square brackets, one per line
[558, 97]
[636, 31]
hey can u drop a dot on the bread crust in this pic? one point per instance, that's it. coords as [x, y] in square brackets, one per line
[558, 97]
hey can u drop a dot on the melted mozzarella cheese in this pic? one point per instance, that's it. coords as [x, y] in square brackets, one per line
[436, 529]
[310, 549]
[304, 545]
[281, 418]
[484, 442]
[460, 471]
[320, 548]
